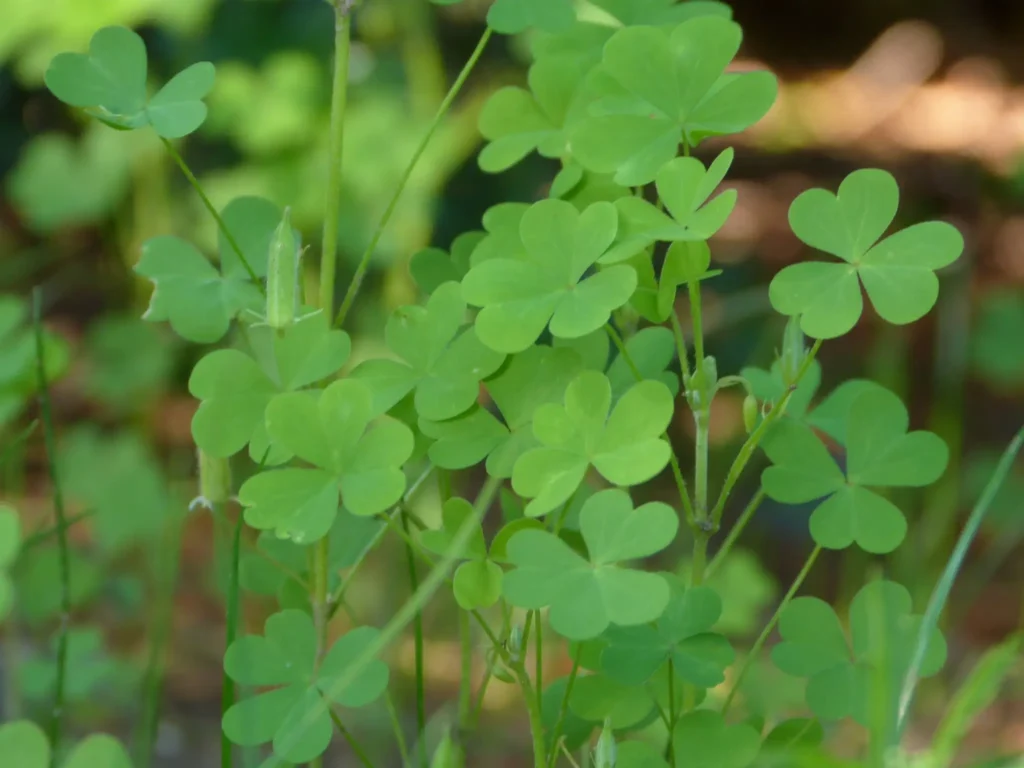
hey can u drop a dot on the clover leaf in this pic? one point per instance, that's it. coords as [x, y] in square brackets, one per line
[24, 744]
[587, 594]
[659, 87]
[285, 657]
[651, 350]
[502, 234]
[601, 699]
[235, 388]
[520, 297]
[198, 299]
[709, 742]
[433, 267]
[511, 17]
[685, 187]
[634, 13]
[332, 432]
[682, 633]
[440, 360]
[517, 122]
[853, 676]
[898, 272]
[10, 543]
[110, 82]
[623, 443]
[477, 581]
[880, 453]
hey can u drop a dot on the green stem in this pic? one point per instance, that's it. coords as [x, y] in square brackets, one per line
[563, 709]
[354, 745]
[763, 637]
[187, 172]
[227, 697]
[465, 671]
[533, 712]
[681, 352]
[695, 314]
[673, 714]
[930, 620]
[735, 532]
[755, 437]
[364, 262]
[332, 206]
[539, 661]
[417, 628]
[63, 551]
[401, 619]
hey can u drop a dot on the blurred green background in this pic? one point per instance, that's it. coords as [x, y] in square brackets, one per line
[932, 90]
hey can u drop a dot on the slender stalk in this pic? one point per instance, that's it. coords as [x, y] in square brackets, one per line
[187, 172]
[735, 532]
[417, 628]
[532, 700]
[563, 708]
[940, 594]
[354, 745]
[681, 352]
[63, 551]
[465, 671]
[401, 619]
[227, 695]
[755, 437]
[698, 323]
[14, 445]
[364, 262]
[332, 207]
[763, 637]
[673, 714]
[41, 537]
[396, 728]
[539, 660]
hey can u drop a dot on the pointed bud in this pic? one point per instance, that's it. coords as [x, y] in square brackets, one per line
[607, 750]
[214, 479]
[449, 753]
[750, 412]
[283, 275]
[794, 351]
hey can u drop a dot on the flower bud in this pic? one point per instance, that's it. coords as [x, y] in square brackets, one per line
[214, 479]
[283, 275]
[449, 753]
[794, 351]
[607, 750]
[750, 413]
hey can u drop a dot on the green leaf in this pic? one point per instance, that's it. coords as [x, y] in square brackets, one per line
[632, 13]
[685, 187]
[682, 634]
[98, 751]
[131, 361]
[575, 730]
[454, 514]
[235, 389]
[432, 267]
[708, 742]
[24, 743]
[520, 296]
[295, 716]
[999, 327]
[652, 351]
[586, 595]
[880, 453]
[333, 433]
[177, 109]
[897, 273]
[10, 535]
[510, 17]
[597, 698]
[517, 122]
[110, 81]
[196, 298]
[657, 88]
[440, 360]
[625, 445]
[638, 754]
[859, 676]
[477, 584]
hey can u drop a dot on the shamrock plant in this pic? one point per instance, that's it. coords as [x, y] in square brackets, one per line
[548, 361]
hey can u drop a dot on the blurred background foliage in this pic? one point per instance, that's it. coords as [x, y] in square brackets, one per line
[931, 89]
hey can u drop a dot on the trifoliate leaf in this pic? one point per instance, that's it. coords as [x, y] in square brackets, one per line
[682, 633]
[651, 350]
[623, 443]
[333, 433]
[685, 187]
[198, 299]
[880, 453]
[235, 388]
[24, 744]
[898, 273]
[599, 698]
[476, 582]
[110, 82]
[517, 122]
[510, 17]
[709, 742]
[502, 238]
[294, 715]
[860, 677]
[520, 297]
[586, 595]
[658, 87]
[440, 359]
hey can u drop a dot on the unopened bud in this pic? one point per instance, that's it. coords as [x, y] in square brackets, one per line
[214, 478]
[794, 351]
[283, 275]
[449, 753]
[750, 412]
[607, 750]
